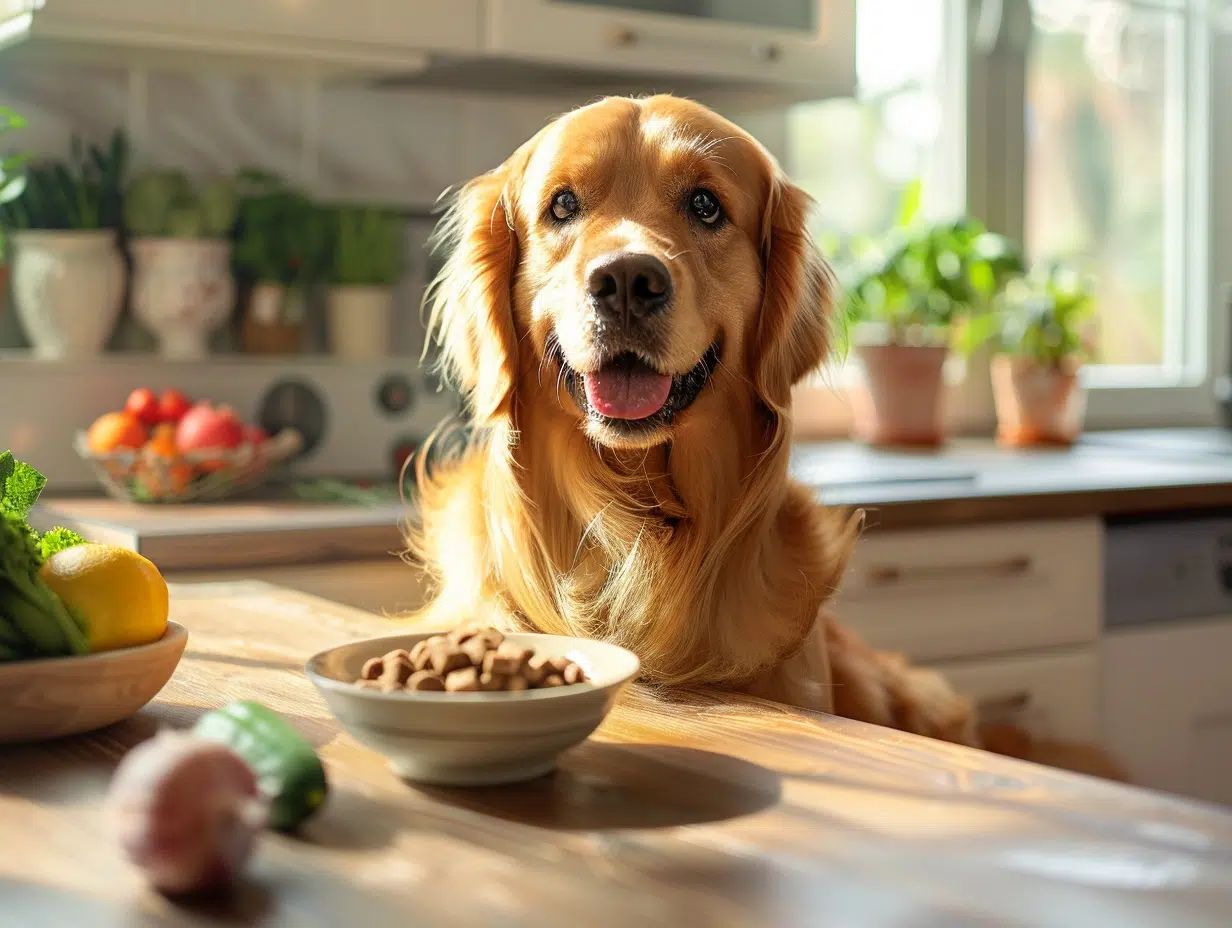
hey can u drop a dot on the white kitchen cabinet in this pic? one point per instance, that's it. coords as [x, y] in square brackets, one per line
[228, 25]
[1167, 706]
[804, 42]
[1052, 694]
[944, 594]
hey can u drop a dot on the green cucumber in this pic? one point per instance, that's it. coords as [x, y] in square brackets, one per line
[289, 773]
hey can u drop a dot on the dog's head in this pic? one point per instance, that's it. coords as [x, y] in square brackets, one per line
[639, 257]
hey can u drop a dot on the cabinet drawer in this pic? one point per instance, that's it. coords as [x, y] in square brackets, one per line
[953, 593]
[1052, 695]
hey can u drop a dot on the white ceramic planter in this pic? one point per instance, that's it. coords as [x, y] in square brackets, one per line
[68, 289]
[361, 321]
[182, 291]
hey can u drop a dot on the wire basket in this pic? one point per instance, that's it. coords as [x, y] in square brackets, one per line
[142, 476]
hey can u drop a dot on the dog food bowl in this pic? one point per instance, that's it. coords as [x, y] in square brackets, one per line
[473, 739]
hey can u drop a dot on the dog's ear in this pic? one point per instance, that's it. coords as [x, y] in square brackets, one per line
[471, 300]
[793, 328]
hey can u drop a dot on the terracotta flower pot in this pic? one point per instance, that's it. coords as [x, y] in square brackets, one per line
[269, 327]
[1037, 404]
[899, 399]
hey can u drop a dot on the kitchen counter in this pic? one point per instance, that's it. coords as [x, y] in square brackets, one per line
[736, 812]
[973, 481]
[969, 481]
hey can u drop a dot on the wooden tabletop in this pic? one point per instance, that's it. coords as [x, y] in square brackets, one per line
[727, 812]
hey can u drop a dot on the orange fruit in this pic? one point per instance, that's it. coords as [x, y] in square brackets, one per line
[113, 431]
[164, 472]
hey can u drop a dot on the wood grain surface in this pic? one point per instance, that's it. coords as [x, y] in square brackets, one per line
[717, 811]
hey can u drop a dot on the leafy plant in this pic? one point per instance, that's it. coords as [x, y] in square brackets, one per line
[1044, 315]
[366, 246]
[282, 236]
[165, 204]
[12, 166]
[924, 275]
[86, 192]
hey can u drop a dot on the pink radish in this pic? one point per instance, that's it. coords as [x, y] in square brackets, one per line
[186, 812]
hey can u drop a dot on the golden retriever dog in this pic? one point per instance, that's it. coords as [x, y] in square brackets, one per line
[628, 302]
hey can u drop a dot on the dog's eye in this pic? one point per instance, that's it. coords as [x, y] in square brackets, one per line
[564, 205]
[705, 206]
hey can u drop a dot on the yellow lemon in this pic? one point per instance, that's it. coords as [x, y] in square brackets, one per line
[122, 595]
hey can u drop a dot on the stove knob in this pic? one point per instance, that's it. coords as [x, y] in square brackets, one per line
[403, 449]
[393, 394]
[294, 404]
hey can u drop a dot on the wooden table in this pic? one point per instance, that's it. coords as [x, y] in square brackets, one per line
[729, 812]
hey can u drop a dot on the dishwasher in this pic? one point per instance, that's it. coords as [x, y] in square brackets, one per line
[1166, 654]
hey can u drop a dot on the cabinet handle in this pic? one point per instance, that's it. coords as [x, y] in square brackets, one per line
[625, 37]
[889, 575]
[767, 51]
[1005, 704]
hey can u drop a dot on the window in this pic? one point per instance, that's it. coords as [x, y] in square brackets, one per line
[1081, 129]
[1104, 149]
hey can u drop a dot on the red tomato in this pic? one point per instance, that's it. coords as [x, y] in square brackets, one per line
[255, 435]
[204, 428]
[142, 405]
[172, 406]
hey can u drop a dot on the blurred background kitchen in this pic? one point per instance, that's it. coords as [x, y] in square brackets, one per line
[1028, 204]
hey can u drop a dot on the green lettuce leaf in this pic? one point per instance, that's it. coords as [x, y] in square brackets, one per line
[58, 539]
[21, 485]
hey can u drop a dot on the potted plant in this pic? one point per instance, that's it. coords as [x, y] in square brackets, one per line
[366, 261]
[1042, 334]
[904, 297]
[182, 284]
[68, 274]
[12, 183]
[279, 253]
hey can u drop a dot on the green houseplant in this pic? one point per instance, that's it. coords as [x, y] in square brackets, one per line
[280, 252]
[180, 242]
[1041, 330]
[366, 260]
[12, 179]
[905, 296]
[68, 274]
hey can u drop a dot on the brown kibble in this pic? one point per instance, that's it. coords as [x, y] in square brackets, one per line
[369, 684]
[516, 684]
[445, 661]
[423, 680]
[464, 633]
[495, 662]
[559, 664]
[553, 679]
[574, 674]
[491, 682]
[475, 650]
[389, 684]
[535, 670]
[463, 681]
[420, 655]
[373, 668]
[397, 668]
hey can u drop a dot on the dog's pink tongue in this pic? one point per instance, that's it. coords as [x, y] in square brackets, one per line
[621, 392]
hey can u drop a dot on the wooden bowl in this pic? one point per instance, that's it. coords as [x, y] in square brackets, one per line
[55, 696]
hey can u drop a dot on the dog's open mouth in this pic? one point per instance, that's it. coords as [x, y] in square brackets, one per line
[627, 390]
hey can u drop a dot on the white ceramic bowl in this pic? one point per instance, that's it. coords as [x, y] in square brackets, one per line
[473, 739]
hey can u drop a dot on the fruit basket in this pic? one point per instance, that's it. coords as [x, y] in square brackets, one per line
[146, 475]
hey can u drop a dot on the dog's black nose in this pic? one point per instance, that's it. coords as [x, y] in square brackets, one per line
[627, 285]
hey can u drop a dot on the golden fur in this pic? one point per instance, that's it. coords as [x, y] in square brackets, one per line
[690, 545]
